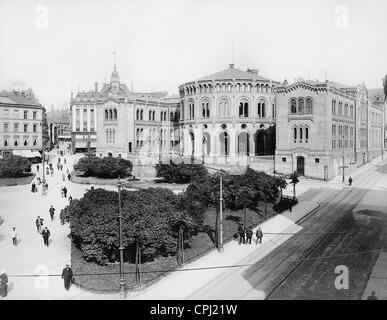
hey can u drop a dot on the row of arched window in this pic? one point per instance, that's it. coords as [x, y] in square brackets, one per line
[224, 108]
[110, 114]
[301, 106]
[228, 87]
[110, 135]
[16, 142]
[301, 134]
[337, 109]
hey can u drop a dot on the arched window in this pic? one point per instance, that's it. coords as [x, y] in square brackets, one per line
[154, 115]
[110, 114]
[243, 109]
[150, 115]
[107, 114]
[142, 115]
[107, 135]
[301, 106]
[309, 106]
[295, 134]
[300, 134]
[224, 108]
[306, 134]
[6, 143]
[293, 106]
[261, 109]
[115, 114]
[205, 109]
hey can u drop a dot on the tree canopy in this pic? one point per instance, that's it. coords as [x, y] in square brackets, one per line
[14, 166]
[106, 167]
[181, 173]
[150, 216]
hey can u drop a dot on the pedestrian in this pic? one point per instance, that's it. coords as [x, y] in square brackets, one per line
[14, 236]
[38, 180]
[70, 198]
[46, 235]
[33, 187]
[62, 192]
[259, 235]
[39, 224]
[63, 176]
[242, 232]
[65, 192]
[61, 167]
[52, 212]
[3, 283]
[47, 171]
[69, 176]
[372, 296]
[65, 162]
[350, 181]
[249, 235]
[67, 276]
[58, 166]
[37, 168]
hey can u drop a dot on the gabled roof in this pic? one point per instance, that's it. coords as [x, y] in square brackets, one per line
[18, 98]
[233, 73]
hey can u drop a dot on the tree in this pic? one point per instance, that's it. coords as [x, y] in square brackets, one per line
[14, 166]
[150, 217]
[107, 167]
[181, 173]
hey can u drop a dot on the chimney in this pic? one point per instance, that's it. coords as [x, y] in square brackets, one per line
[96, 87]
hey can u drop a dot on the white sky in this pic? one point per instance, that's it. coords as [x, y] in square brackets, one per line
[162, 44]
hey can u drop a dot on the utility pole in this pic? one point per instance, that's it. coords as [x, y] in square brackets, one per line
[220, 240]
[121, 247]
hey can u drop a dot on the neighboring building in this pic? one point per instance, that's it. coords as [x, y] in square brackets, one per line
[229, 117]
[131, 125]
[321, 125]
[59, 126]
[21, 123]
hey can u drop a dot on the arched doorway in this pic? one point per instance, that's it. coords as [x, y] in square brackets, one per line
[192, 138]
[224, 139]
[206, 142]
[300, 166]
[244, 144]
[260, 143]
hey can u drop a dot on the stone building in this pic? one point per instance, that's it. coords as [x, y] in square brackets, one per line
[21, 123]
[229, 117]
[59, 126]
[322, 126]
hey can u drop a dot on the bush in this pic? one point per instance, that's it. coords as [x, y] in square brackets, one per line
[181, 173]
[107, 167]
[150, 216]
[14, 166]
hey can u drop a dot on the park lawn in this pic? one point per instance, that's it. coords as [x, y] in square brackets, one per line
[86, 273]
[17, 181]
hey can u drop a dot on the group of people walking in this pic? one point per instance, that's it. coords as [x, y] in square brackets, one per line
[246, 234]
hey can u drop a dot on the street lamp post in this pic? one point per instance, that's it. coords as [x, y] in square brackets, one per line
[121, 248]
[220, 239]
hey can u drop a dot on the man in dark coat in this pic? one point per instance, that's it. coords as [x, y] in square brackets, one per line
[259, 235]
[249, 235]
[67, 276]
[65, 192]
[350, 181]
[3, 284]
[242, 232]
[46, 235]
[52, 212]
[69, 176]
[33, 187]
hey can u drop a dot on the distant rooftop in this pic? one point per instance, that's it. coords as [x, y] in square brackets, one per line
[24, 97]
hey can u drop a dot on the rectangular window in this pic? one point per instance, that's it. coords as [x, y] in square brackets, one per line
[34, 114]
[5, 127]
[34, 128]
[317, 160]
[16, 127]
[26, 128]
[92, 125]
[283, 159]
[25, 114]
[6, 113]
[78, 120]
[16, 114]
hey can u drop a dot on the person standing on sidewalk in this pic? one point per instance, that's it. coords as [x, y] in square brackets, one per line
[67, 276]
[249, 235]
[46, 235]
[350, 181]
[39, 224]
[3, 284]
[259, 235]
[65, 192]
[242, 232]
[14, 236]
[52, 212]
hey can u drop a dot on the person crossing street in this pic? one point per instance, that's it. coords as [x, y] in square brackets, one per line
[46, 235]
[52, 212]
[67, 276]
[39, 224]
